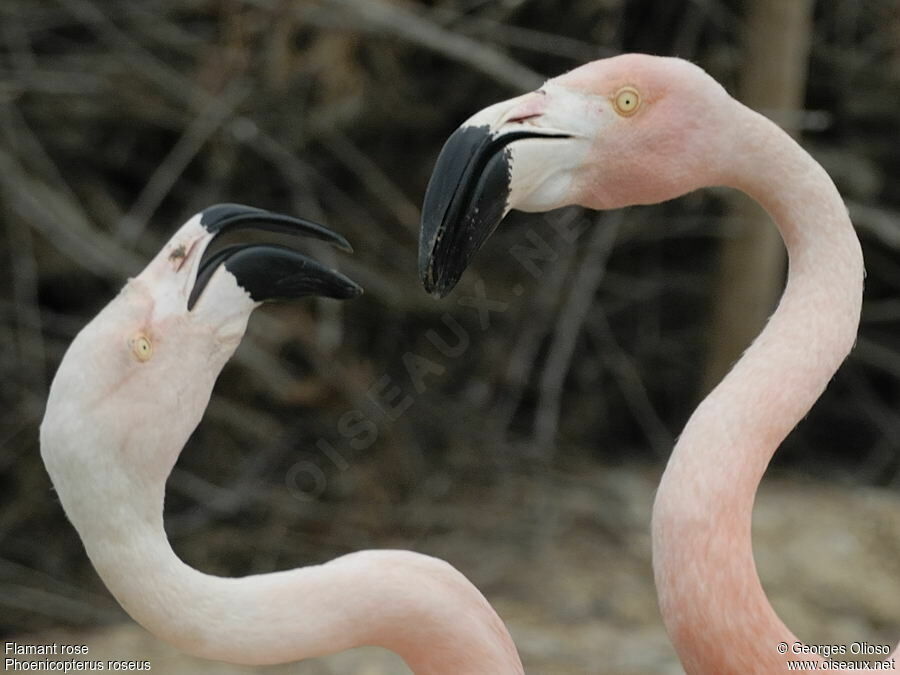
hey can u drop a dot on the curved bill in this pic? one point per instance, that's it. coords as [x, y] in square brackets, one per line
[269, 272]
[223, 218]
[467, 197]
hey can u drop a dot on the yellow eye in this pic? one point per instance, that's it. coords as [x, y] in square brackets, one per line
[141, 347]
[627, 101]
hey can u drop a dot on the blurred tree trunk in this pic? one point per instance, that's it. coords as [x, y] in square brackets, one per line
[751, 263]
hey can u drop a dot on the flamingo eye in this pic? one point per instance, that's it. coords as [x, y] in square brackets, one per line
[627, 101]
[141, 347]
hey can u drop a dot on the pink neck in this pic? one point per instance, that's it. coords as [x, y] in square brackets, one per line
[711, 599]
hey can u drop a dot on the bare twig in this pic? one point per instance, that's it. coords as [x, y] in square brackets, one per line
[879, 222]
[24, 142]
[521, 38]
[877, 355]
[11, 572]
[63, 223]
[215, 112]
[28, 312]
[631, 385]
[129, 49]
[54, 606]
[375, 16]
[568, 327]
[536, 324]
[883, 454]
[379, 185]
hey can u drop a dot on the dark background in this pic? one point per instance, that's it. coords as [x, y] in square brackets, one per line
[118, 120]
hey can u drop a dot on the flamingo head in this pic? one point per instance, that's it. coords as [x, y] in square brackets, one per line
[139, 375]
[632, 129]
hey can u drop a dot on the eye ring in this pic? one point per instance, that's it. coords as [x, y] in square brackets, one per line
[627, 101]
[141, 347]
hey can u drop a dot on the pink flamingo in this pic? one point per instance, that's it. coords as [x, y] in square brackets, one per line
[130, 390]
[639, 129]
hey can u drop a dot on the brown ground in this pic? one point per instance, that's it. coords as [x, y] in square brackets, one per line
[570, 573]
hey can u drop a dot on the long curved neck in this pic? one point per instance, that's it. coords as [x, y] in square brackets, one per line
[415, 605]
[711, 598]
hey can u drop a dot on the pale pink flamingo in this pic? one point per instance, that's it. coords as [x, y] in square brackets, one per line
[130, 390]
[639, 129]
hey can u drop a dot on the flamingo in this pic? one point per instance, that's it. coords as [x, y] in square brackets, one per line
[639, 129]
[129, 391]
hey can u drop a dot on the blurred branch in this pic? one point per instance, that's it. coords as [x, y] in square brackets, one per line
[25, 143]
[129, 49]
[14, 572]
[378, 184]
[151, 20]
[571, 318]
[631, 385]
[883, 455]
[533, 328]
[29, 329]
[19, 598]
[519, 37]
[391, 20]
[215, 112]
[878, 222]
[63, 223]
[877, 355]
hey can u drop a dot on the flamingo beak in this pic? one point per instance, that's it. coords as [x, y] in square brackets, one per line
[469, 191]
[269, 272]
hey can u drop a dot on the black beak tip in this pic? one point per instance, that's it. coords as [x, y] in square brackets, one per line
[438, 286]
[465, 201]
[274, 273]
[348, 290]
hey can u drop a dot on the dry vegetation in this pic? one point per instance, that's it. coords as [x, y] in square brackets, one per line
[120, 119]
